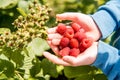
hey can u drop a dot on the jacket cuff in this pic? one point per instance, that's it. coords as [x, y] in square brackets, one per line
[105, 22]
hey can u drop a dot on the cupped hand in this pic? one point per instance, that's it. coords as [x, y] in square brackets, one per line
[85, 21]
[85, 58]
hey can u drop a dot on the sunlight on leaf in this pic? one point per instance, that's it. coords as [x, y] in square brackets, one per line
[7, 4]
[38, 46]
[3, 30]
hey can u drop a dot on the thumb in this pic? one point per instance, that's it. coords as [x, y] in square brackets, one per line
[68, 16]
[70, 59]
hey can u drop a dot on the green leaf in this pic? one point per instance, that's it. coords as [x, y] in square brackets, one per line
[72, 72]
[18, 58]
[3, 30]
[22, 12]
[109, 38]
[22, 4]
[36, 68]
[2, 56]
[27, 63]
[3, 77]
[84, 77]
[100, 77]
[14, 55]
[7, 51]
[6, 67]
[49, 68]
[7, 4]
[38, 46]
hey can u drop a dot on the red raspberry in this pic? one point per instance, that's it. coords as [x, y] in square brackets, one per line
[82, 49]
[74, 43]
[64, 52]
[75, 26]
[74, 52]
[79, 35]
[69, 33]
[64, 42]
[85, 43]
[61, 28]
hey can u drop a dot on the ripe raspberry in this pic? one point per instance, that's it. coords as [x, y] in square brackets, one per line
[74, 52]
[74, 43]
[61, 28]
[69, 33]
[85, 43]
[79, 35]
[64, 42]
[64, 52]
[82, 49]
[75, 26]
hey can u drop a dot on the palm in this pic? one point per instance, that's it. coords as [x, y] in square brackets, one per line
[85, 58]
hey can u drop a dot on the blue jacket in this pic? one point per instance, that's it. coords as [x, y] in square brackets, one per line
[108, 20]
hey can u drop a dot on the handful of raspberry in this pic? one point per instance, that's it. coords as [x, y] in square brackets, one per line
[74, 40]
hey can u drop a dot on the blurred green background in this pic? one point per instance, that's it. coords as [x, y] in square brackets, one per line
[8, 10]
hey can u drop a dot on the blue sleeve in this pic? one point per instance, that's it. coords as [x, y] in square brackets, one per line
[108, 60]
[108, 20]
[108, 17]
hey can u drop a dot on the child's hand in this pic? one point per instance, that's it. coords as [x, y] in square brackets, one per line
[85, 21]
[85, 58]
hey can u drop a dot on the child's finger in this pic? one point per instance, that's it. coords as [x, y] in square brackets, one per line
[56, 41]
[54, 36]
[67, 16]
[53, 47]
[51, 30]
[55, 59]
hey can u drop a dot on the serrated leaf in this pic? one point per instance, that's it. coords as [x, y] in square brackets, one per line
[36, 68]
[27, 62]
[72, 72]
[37, 46]
[49, 68]
[27, 65]
[18, 58]
[6, 67]
[7, 4]
[7, 51]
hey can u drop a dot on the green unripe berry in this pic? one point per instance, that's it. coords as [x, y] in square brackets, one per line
[20, 18]
[30, 24]
[35, 2]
